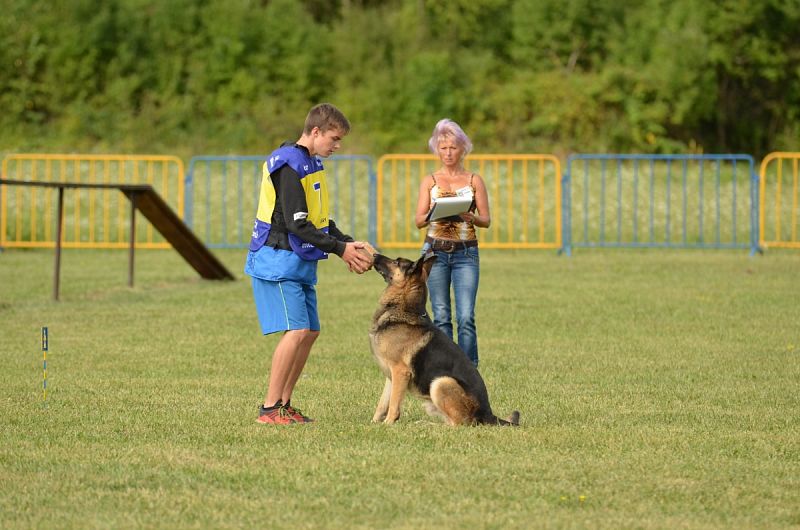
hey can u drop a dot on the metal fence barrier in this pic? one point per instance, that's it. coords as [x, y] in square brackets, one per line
[779, 204]
[602, 200]
[678, 201]
[97, 218]
[524, 199]
[222, 197]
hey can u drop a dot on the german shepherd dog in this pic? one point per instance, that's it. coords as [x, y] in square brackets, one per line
[415, 355]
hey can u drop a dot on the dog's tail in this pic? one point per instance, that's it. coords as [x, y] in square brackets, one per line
[513, 419]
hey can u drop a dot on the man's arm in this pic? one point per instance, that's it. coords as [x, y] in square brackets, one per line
[295, 212]
[338, 234]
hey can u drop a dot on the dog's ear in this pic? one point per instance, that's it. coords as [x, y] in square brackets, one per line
[423, 265]
[427, 262]
[417, 265]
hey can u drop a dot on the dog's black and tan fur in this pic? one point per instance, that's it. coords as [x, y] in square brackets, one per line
[415, 355]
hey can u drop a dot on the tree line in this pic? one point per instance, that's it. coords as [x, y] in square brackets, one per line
[554, 76]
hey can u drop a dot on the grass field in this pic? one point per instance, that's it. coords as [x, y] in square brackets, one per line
[658, 389]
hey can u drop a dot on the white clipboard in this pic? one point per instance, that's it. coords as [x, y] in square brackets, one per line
[448, 207]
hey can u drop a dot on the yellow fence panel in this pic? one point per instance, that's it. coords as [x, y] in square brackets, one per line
[779, 204]
[524, 199]
[92, 218]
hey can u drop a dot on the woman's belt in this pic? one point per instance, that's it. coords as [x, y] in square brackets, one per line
[450, 245]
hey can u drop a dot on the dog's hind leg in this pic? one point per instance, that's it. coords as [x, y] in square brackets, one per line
[383, 403]
[449, 397]
[513, 419]
[433, 410]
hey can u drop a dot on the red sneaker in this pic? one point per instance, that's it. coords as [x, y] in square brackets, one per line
[276, 416]
[296, 415]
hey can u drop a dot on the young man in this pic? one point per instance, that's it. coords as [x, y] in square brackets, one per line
[292, 232]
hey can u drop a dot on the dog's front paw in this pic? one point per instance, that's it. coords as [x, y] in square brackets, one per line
[391, 418]
[377, 418]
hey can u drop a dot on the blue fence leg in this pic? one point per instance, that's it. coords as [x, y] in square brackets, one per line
[755, 222]
[566, 216]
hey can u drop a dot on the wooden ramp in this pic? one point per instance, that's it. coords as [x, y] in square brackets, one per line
[166, 221]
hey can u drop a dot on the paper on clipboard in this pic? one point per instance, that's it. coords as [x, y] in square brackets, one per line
[448, 207]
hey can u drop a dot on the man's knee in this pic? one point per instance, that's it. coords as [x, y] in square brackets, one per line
[309, 335]
[302, 335]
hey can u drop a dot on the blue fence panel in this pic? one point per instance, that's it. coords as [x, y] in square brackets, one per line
[680, 201]
[222, 197]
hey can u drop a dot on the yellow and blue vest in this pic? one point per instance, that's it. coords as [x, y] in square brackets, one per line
[312, 177]
[300, 263]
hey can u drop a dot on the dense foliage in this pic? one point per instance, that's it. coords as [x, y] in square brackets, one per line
[221, 76]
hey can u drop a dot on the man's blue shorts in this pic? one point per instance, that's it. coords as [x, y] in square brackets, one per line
[285, 305]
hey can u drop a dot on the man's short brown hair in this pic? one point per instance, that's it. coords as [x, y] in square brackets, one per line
[326, 117]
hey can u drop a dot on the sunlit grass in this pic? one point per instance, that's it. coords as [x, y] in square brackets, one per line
[658, 389]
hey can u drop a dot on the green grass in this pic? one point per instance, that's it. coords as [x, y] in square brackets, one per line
[658, 389]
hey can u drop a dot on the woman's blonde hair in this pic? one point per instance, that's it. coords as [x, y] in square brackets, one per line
[448, 128]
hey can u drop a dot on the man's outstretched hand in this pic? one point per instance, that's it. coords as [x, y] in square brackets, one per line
[358, 256]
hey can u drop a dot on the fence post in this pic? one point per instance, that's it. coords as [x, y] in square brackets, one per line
[188, 193]
[755, 225]
[373, 204]
[566, 213]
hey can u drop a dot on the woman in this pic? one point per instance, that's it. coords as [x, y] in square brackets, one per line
[453, 238]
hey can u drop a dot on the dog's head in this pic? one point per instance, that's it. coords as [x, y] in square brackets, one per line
[405, 279]
[401, 270]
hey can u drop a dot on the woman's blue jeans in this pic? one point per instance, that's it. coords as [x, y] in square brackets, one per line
[461, 268]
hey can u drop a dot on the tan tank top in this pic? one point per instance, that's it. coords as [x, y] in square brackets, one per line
[453, 228]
